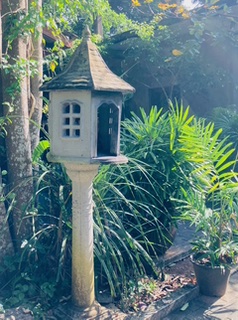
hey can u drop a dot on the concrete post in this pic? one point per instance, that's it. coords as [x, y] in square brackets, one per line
[83, 294]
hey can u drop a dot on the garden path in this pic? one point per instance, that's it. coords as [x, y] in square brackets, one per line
[203, 307]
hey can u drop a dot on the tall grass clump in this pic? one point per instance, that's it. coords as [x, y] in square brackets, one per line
[134, 214]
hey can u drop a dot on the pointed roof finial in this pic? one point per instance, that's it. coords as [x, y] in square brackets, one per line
[86, 32]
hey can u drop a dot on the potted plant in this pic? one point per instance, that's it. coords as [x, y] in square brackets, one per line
[211, 205]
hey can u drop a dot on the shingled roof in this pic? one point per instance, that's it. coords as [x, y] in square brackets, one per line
[87, 70]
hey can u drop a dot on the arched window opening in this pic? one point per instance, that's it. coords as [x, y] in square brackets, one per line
[108, 131]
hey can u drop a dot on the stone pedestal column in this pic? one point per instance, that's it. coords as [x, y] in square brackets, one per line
[82, 175]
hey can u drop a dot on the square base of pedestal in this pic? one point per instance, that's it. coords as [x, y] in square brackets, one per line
[95, 312]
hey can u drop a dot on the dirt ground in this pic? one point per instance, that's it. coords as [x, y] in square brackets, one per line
[175, 276]
[181, 268]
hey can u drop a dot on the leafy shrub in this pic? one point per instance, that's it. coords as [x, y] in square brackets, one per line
[43, 265]
[211, 202]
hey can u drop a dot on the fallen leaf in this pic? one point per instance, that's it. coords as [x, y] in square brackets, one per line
[184, 307]
[177, 53]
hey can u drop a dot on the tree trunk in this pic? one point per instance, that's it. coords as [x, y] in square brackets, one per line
[6, 247]
[0, 30]
[18, 142]
[35, 107]
[1, 111]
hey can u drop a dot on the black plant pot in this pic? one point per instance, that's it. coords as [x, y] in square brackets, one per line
[211, 281]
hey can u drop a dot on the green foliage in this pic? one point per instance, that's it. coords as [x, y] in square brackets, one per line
[39, 275]
[3, 132]
[227, 119]
[18, 69]
[118, 252]
[154, 140]
[3, 122]
[23, 23]
[134, 215]
[22, 288]
[42, 147]
[85, 12]
[185, 48]
[211, 202]
[137, 292]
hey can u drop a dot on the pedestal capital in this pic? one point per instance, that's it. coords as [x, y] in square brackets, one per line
[76, 170]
